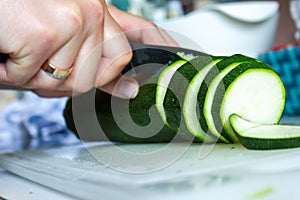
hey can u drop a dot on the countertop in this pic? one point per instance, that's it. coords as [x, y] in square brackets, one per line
[156, 171]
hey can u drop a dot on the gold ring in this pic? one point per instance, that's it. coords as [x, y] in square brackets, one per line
[55, 72]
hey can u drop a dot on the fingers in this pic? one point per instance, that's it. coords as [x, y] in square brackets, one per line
[116, 52]
[31, 41]
[82, 35]
[52, 94]
[62, 59]
[21, 67]
[123, 87]
[80, 52]
[140, 30]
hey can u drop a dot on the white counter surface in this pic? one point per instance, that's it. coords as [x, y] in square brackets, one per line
[227, 172]
[16, 187]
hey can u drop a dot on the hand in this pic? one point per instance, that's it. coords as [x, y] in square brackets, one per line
[84, 35]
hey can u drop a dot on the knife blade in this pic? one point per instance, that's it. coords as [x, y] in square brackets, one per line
[157, 56]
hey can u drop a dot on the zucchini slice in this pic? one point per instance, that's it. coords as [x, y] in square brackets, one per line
[190, 105]
[265, 136]
[176, 92]
[162, 86]
[208, 90]
[252, 90]
[204, 99]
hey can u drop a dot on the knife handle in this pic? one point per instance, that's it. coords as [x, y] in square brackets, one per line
[3, 57]
[146, 54]
[142, 54]
[155, 54]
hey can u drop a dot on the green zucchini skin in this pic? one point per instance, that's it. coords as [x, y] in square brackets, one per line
[173, 102]
[221, 90]
[226, 82]
[107, 107]
[226, 61]
[269, 144]
[110, 130]
[258, 136]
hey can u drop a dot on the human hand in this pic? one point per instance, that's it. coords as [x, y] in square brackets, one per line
[84, 35]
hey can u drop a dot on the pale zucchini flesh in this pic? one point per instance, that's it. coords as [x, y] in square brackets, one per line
[198, 98]
[207, 109]
[190, 106]
[265, 136]
[178, 85]
[162, 86]
[266, 95]
[220, 67]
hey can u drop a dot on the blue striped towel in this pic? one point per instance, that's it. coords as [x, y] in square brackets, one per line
[286, 63]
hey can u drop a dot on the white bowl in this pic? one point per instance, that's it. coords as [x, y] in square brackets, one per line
[227, 28]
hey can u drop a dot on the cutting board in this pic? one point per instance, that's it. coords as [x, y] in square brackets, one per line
[160, 171]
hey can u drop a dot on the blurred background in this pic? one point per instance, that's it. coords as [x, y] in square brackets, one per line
[266, 30]
[157, 10]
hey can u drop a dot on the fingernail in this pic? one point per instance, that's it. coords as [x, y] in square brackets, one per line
[128, 89]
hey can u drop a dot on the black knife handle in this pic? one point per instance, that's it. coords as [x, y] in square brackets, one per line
[146, 54]
[3, 57]
[154, 54]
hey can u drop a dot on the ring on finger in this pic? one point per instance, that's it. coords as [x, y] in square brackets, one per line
[55, 72]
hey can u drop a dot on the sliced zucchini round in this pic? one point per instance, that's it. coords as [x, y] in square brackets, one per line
[178, 85]
[265, 136]
[190, 105]
[196, 100]
[260, 101]
[208, 89]
[162, 86]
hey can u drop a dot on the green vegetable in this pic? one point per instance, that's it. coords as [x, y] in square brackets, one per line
[265, 136]
[163, 85]
[207, 92]
[177, 88]
[205, 99]
[191, 110]
[115, 122]
[252, 90]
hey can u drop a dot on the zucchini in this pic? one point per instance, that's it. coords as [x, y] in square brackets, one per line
[208, 89]
[190, 105]
[238, 90]
[265, 136]
[190, 100]
[118, 120]
[178, 85]
[163, 85]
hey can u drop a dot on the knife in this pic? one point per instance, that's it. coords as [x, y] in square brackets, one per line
[157, 56]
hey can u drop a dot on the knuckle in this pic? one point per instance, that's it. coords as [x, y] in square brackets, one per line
[52, 86]
[83, 88]
[20, 82]
[78, 88]
[125, 59]
[149, 24]
[46, 38]
[95, 10]
[73, 18]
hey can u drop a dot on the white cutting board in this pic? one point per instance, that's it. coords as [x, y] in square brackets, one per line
[106, 171]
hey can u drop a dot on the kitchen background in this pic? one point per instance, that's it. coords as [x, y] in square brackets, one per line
[160, 10]
[24, 123]
[157, 10]
[29, 122]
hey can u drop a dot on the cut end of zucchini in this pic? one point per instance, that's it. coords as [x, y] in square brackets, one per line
[265, 136]
[199, 97]
[162, 86]
[257, 94]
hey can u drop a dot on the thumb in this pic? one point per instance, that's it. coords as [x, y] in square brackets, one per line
[116, 54]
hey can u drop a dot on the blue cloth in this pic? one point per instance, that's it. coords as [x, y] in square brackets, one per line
[286, 62]
[32, 121]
